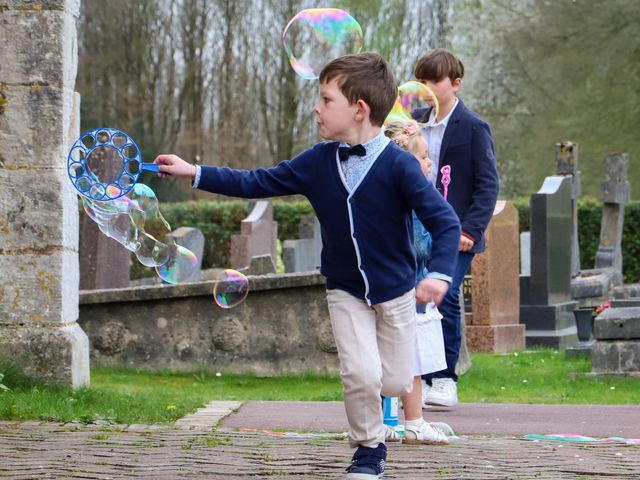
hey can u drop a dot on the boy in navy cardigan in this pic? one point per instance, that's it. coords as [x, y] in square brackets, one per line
[363, 188]
[461, 140]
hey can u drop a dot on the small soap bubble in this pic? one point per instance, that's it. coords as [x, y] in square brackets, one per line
[316, 36]
[230, 289]
[415, 101]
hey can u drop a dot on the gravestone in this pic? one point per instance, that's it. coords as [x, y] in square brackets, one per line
[546, 307]
[494, 325]
[258, 236]
[614, 194]
[607, 274]
[39, 121]
[303, 255]
[193, 239]
[617, 347]
[525, 253]
[104, 263]
[567, 165]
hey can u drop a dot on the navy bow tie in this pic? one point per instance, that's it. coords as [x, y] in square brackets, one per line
[345, 152]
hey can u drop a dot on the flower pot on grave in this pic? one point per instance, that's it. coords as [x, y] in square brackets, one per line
[584, 323]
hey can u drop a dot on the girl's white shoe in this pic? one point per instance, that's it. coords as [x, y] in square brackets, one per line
[425, 434]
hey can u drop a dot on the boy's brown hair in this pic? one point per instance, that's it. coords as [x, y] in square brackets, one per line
[437, 64]
[367, 77]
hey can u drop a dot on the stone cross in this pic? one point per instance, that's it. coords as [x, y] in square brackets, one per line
[258, 236]
[494, 325]
[614, 194]
[567, 165]
[39, 121]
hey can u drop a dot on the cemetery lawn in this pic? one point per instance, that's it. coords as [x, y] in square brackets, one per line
[129, 396]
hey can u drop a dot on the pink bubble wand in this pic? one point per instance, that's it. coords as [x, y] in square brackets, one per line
[446, 179]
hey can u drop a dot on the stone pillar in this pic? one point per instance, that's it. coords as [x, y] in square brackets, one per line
[494, 325]
[614, 194]
[567, 165]
[546, 307]
[258, 236]
[39, 120]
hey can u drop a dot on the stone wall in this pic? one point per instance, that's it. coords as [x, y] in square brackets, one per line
[282, 327]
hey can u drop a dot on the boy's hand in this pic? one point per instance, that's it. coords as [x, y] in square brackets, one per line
[466, 244]
[431, 289]
[175, 166]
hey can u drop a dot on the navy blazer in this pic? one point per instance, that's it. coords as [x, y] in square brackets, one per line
[467, 146]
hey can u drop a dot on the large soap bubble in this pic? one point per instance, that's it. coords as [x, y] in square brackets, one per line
[136, 223]
[415, 101]
[316, 36]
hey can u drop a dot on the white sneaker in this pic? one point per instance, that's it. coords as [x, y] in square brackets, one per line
[426, 434]
[443, 392]
[425, 389]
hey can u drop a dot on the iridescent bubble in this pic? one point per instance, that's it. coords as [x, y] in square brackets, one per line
[180, 267]
[316, 36]
[230, 289]
[415, 101]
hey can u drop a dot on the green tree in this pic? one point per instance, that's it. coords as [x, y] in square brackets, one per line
[553, 70]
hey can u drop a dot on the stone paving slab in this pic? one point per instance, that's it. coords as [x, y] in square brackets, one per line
[465, 418]
[50, 450]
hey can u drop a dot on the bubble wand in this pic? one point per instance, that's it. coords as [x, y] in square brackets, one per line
[446, 179]
[96, 143]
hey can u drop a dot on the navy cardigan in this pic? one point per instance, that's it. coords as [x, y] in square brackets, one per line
[367, 236]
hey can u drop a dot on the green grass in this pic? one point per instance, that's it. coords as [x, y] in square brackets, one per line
[128, 396]
[542, 376]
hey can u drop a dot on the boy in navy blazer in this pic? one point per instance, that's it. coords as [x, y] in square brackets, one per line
[457, 138]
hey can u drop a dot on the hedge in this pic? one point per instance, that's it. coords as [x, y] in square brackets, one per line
[219, 220]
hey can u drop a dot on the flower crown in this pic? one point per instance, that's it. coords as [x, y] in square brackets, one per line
[409, 129]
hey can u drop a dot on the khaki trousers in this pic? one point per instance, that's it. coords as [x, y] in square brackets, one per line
[376, 348]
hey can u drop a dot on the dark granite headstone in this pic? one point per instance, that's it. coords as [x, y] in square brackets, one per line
[547, 308]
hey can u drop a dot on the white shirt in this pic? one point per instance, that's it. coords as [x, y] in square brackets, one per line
[433, 136]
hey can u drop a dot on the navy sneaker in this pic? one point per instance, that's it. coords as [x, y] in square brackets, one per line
[368, 463]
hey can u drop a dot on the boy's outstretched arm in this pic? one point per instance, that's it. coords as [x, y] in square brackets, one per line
[175, 166]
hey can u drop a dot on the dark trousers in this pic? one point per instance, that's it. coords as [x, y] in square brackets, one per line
[451, 329]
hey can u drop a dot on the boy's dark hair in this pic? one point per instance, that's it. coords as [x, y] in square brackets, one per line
[438, 64]
[367, 77]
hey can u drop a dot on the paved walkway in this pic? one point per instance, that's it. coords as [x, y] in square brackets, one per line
[246, 445]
